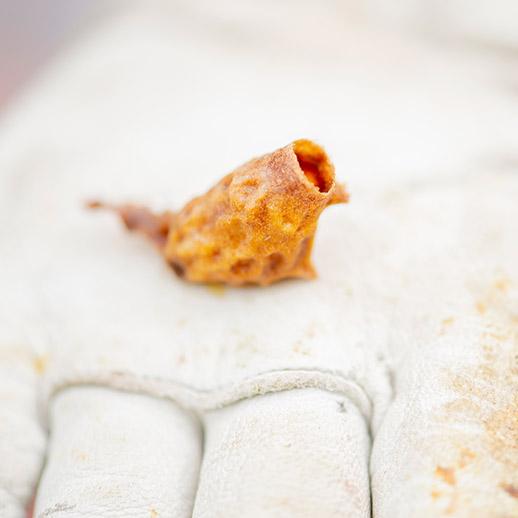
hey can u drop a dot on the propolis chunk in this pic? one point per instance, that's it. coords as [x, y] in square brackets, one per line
[255, 226]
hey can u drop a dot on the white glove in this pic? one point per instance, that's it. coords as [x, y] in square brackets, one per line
[166, 399]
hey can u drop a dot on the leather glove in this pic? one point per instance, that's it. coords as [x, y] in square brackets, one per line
[389, 378]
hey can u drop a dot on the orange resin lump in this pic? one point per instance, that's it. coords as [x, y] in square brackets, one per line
[255, 226]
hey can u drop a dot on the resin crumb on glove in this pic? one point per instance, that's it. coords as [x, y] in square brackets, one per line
[255, 226]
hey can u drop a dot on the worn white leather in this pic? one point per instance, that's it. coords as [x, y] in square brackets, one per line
[318, 441]
[22, 359]
[22, 439]
[150, 108]
[119, 454]
[447, 445]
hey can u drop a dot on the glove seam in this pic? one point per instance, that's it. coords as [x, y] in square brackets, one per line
[201, 400]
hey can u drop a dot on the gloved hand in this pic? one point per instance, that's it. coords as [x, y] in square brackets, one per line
[387, 379]
[278, 386]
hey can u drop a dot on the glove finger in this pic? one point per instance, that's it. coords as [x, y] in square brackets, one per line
[22, 438]
[297, 453]
[119, 454]
[449, 444]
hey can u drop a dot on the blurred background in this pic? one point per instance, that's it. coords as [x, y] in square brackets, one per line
[32, 32]
[396, 90]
